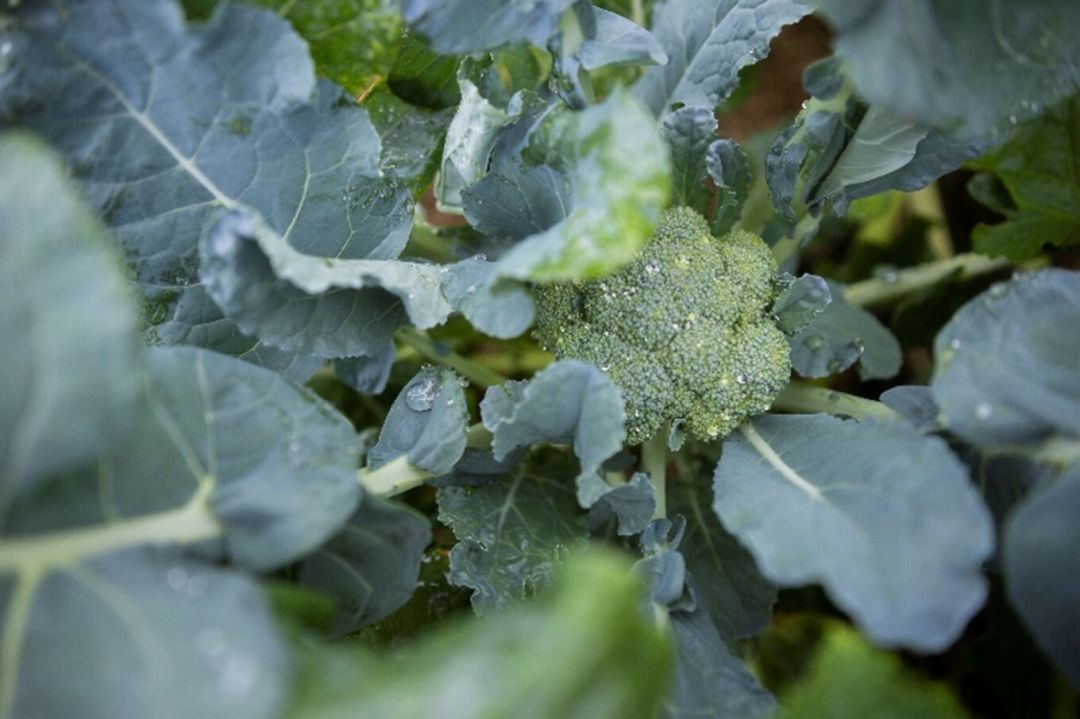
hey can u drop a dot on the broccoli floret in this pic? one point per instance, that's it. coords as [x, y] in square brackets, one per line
[684, 330]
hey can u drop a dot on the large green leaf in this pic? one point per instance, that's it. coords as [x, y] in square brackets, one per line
[140, 633]
[1042, 569]
[69, 360]
[102, 615]
[618, 170]
[329, 306]
[513, 531]
[583, 651]
[689, 131]
[970, 66]
[849, 679]
[707, 42]
[461, 26]
[883, 517]
[1044, 190]
[1005, 364]
[167, 123]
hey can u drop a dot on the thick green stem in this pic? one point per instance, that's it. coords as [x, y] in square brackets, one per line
[894, 286]
[654, 456]
[441, 354]
[398, 476]
[799, 397]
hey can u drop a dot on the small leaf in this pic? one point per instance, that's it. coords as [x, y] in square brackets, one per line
[840, 335]
[729, 168]
[689, 132]
[371, 566]
[632, 504]
[804, 299]
[1042, 569]
[568, 401]
[1005, 371]
[427, 423]
[367, 375]
[512, 532]
[500, 308]
[819, 499]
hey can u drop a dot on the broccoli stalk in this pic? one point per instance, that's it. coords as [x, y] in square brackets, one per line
[684, 330]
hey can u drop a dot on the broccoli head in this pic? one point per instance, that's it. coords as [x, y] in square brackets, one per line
[684, 330]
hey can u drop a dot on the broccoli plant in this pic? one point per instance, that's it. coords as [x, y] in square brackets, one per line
[330, 325]
[684, 331]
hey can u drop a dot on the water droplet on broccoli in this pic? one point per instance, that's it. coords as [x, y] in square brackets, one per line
[421, 396]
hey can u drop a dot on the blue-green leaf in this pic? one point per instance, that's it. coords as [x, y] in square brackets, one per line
[840, 335]
[883, 517]
[801, 301]
[707, 43]
[461, 26]
[70, 362]
[618, 40]
[371, 566]
[513, 531]
[144, 633]
[427, 423]
[500, 308]
[1005, 365]
[616, 196]
[915, 404]
[324, 305]
[729, 168]
[631, 504]
[971, 68]
[567, 402]
[1042, 569]
[170, 122]
[367, 374]
[689, 131]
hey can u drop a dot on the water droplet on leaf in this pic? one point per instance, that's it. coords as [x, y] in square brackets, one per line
[421, 396]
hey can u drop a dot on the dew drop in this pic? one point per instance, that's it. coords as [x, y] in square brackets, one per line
[890, 277]
[833, 366]
[983, 411]
[421, 396]
[177, 577]
[651, 267]
[741, 378]
[998, 290]
[954, 344]
[238, 676]
[814, 342]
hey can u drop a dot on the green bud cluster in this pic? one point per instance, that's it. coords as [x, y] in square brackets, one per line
[684, 330]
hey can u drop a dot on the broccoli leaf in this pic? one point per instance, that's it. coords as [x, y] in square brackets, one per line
[512, 532]
[970, 67]
[839, 149]
[884, 517]
[729, 168]
[1044, 191]
[1042, 569]
[371, 566]
[427, 423]
[632, 504]
[412, 137]
[188, 123]
[70, 359]
[801, 301]
[616, 196]
[322, 305]
[367, 374]
[707, 42]
[689, 132]
[849, 679]
[916, 404]
[1005, 371]
[180, 636]
[462, 26]
[589, 631]
[840, 335]
[618, 41]
[729, 585]
[500, 308]
[568, 401]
